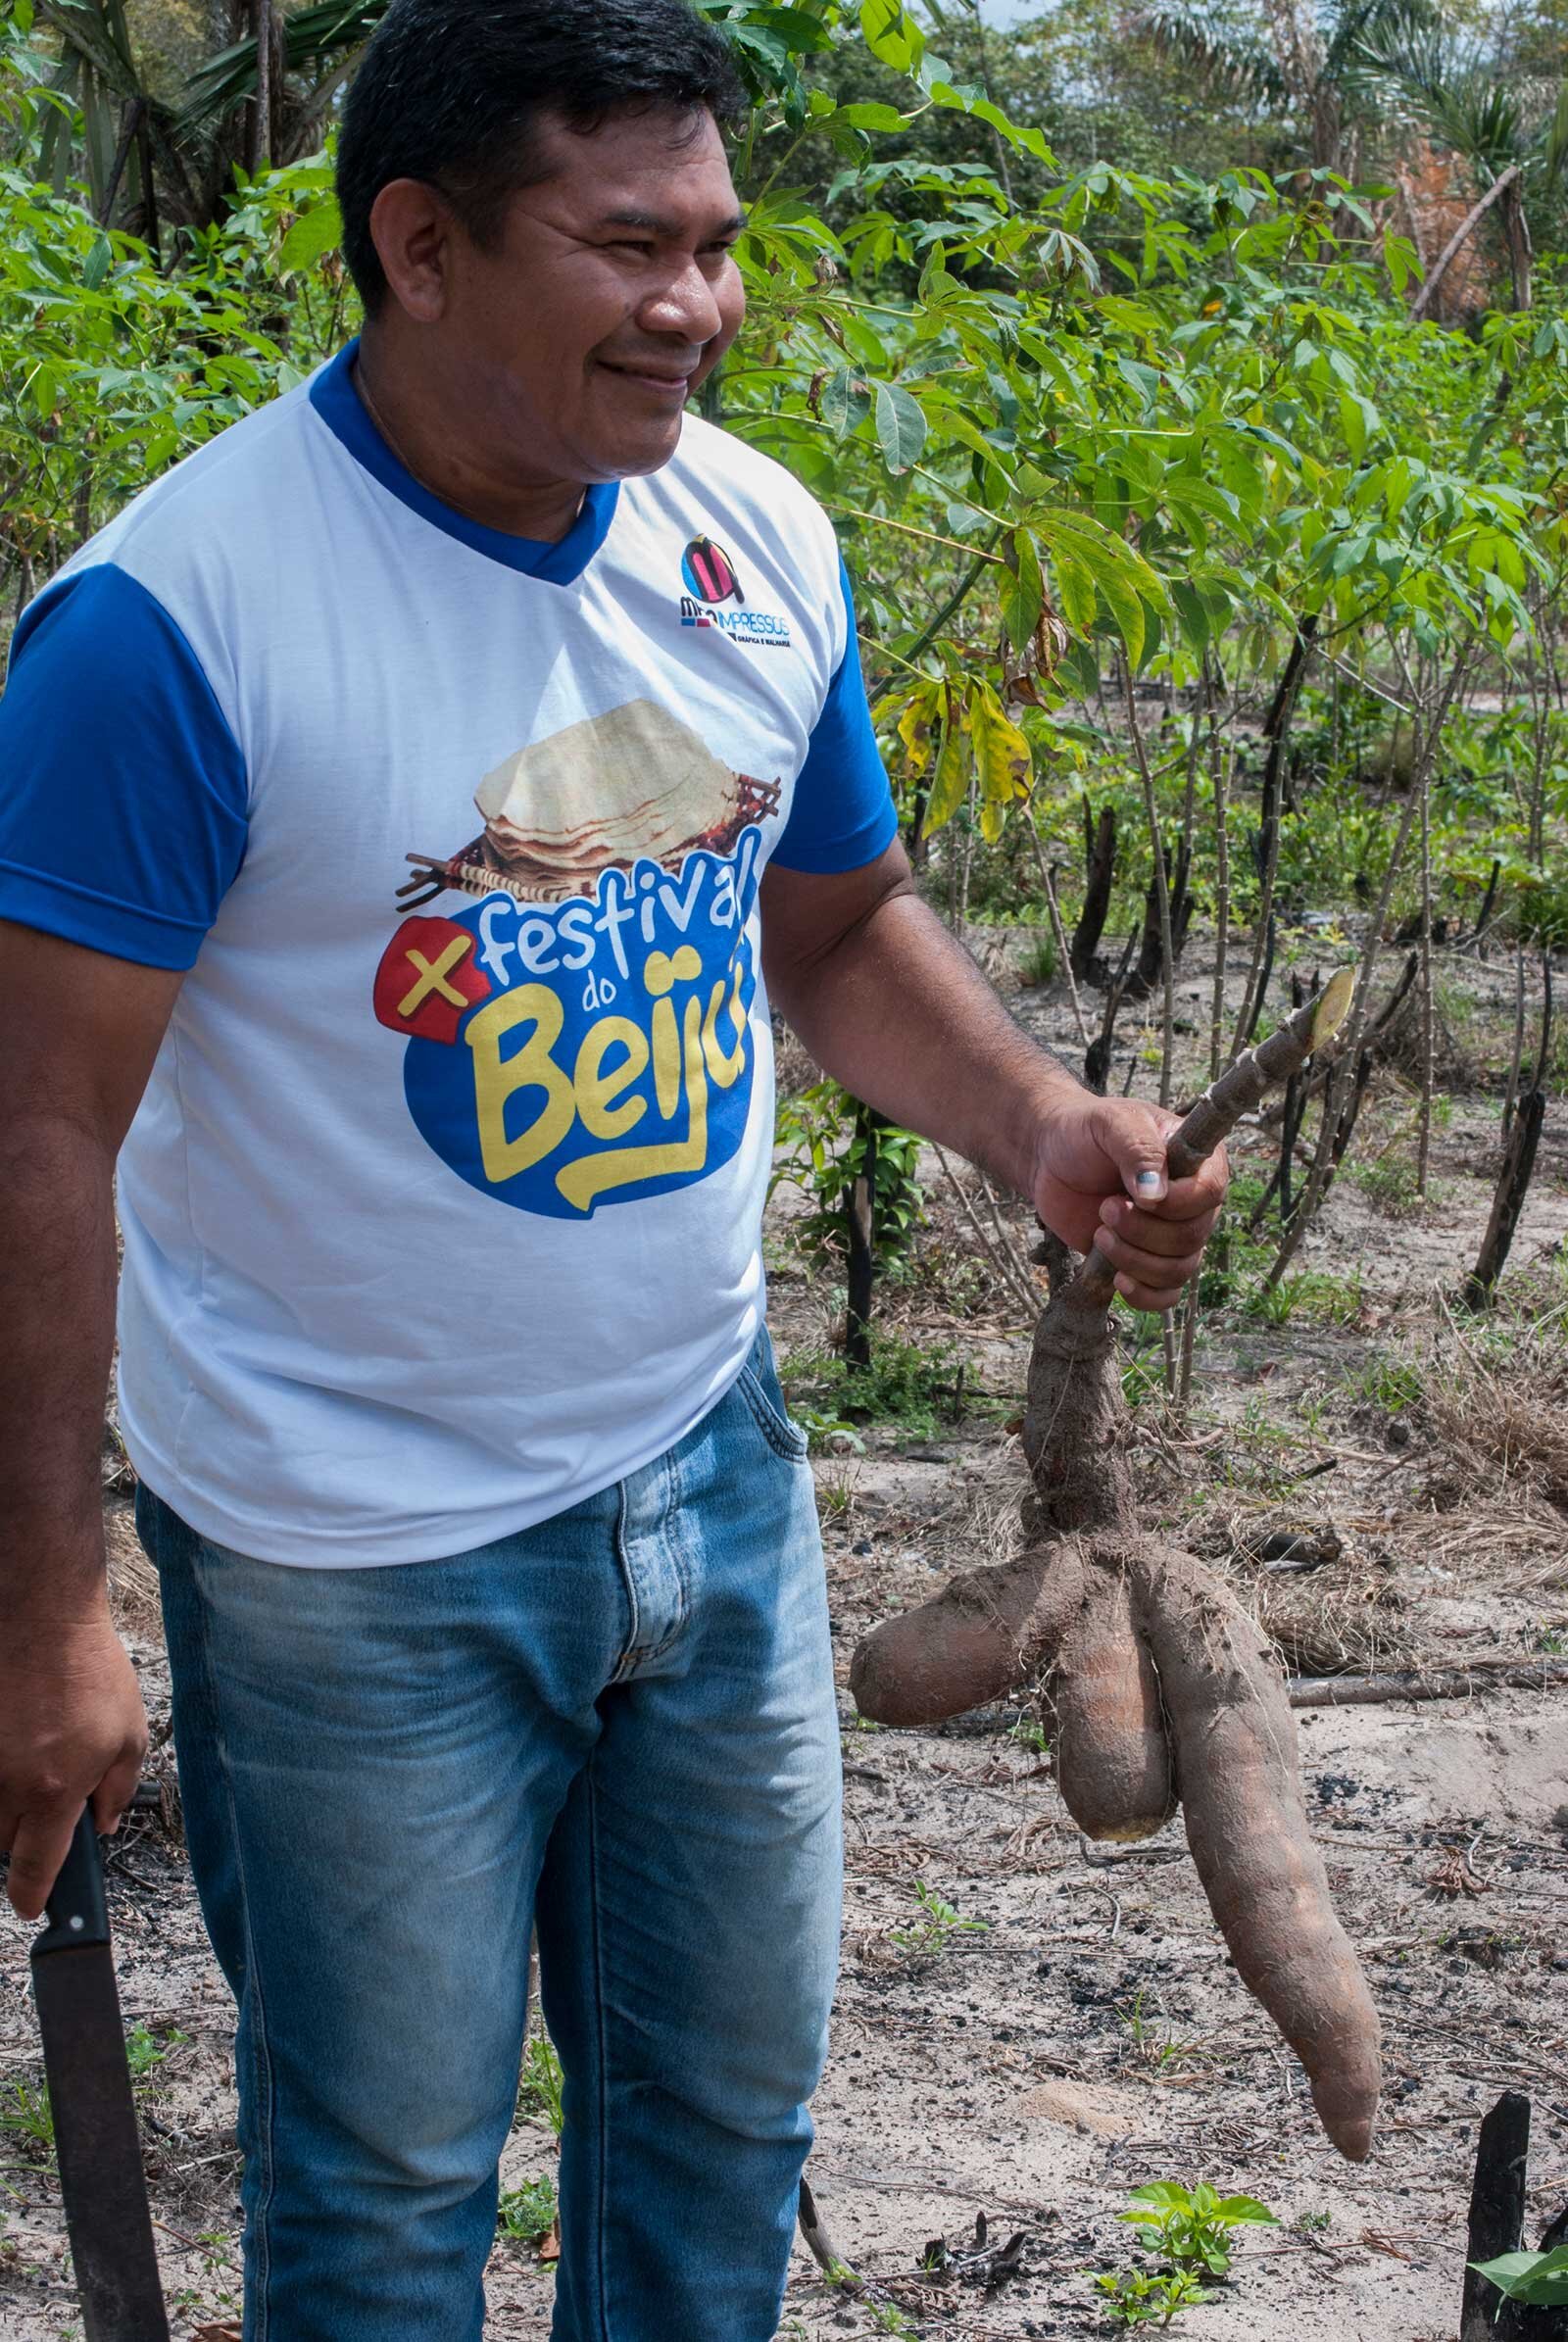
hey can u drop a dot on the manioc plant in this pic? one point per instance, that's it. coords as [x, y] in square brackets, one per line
[1163, 1689]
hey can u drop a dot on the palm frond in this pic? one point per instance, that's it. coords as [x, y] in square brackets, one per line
[1224, 57]
[1452, 90]
[316, 40]
[1555, 141]
[97, 34]
[1382, 27]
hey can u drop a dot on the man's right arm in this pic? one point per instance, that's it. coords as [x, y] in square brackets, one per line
[79, 1033]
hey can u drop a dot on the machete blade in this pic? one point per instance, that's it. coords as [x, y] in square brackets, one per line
[101, 2176]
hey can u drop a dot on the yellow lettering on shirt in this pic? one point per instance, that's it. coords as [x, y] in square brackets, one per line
[725, 1066]
[497, 1079]
[595, 1175]
[662, 975]
[679, 1053]
[597, 1091]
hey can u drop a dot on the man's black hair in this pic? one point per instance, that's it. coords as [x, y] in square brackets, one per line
[449, 91]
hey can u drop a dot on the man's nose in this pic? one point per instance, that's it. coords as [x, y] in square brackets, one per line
[684, 303]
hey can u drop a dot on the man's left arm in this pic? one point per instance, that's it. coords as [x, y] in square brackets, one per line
[892, 1006]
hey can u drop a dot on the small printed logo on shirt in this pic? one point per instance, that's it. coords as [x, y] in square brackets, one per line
[708, 577]
[708, 572]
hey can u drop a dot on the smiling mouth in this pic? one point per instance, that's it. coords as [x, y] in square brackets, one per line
[651, 378]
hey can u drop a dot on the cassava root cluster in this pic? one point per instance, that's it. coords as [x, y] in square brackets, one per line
[1162, 1690]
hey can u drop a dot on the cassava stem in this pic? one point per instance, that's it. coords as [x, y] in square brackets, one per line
[1209, 1123]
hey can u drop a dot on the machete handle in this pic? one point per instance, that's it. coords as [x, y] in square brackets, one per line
[77, 1910]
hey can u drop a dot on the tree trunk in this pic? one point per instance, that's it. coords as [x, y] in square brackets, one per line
[1222, 910]
[130, 123]
[1496, 2226]
[1476, 211]
[1100, 858]
[1513, 1185]
[260, 132]
[1097, 1057]
[1276, 730]
[1521, 251]
[860, 1227]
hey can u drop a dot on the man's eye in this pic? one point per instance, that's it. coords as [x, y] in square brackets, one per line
[629, 244]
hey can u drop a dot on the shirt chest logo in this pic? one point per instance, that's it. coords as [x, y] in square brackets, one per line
[581, 1035]
[714, 599]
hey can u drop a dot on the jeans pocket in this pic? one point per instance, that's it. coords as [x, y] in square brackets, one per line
[759, 1387]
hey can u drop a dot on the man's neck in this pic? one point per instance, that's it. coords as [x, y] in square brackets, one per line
[410, 414]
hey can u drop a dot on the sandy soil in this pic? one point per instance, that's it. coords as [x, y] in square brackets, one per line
[1087, 2034]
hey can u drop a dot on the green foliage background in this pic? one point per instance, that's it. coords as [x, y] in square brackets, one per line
[1078, 417]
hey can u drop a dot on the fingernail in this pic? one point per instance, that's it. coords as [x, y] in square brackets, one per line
[1148, 1180]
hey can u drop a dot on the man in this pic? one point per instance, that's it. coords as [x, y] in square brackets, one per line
[404, 803]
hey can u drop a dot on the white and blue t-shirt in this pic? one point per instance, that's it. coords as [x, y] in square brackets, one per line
[442, 1211]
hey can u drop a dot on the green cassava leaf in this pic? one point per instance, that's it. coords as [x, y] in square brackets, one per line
[1023, 591]
[312, 233]
[845, 401]
[1538, 2279]
[899, 426]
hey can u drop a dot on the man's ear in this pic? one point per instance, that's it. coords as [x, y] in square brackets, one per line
[413, 228]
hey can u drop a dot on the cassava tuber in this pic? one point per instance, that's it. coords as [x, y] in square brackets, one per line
[1159, 1685]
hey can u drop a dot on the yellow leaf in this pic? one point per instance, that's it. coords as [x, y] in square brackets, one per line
[1001, 752]
[951, 785]
[914, 730]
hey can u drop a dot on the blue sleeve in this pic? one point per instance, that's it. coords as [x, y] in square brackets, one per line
[842, 813]
[123, 790]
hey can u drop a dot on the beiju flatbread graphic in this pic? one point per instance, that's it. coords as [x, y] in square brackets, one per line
[634, 784]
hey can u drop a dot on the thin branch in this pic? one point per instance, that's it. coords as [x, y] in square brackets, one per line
[1345, 1072]
[906, 528]
[1428, 1021]
[1222, 903]
[1064, 955]
[1003, 1240]
[1003, 1262]
[819, 2244]
[1364, 682]
[1510, 1096]
[1161, 889]
[1423, 300]
[1184, 1378]
[950, 608]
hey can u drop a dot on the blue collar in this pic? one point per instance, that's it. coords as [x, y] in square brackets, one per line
[343, 410]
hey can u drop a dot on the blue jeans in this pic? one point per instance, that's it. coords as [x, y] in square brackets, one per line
[620, 1726]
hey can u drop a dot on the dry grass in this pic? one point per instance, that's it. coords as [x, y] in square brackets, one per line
[989, 1526]
[1462, 1046]
[133, 1580]
[1497, 1405]
[1332, 1622]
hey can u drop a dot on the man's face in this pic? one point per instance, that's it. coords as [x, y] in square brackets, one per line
[609, 295]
